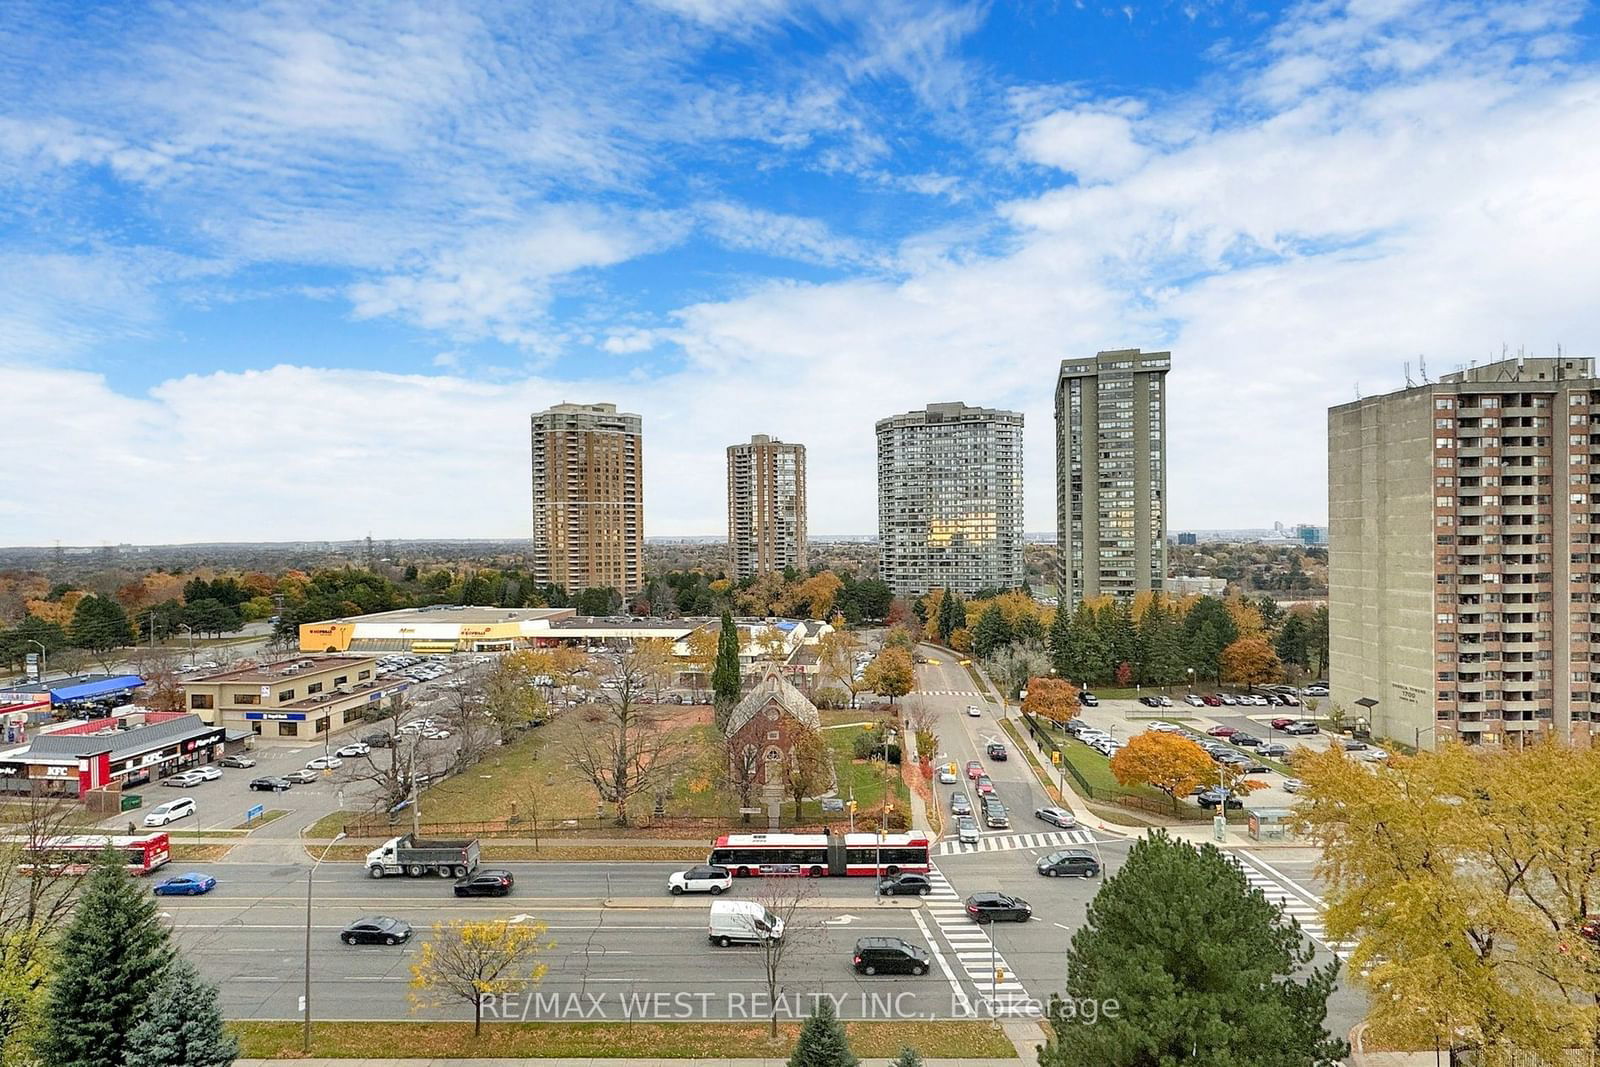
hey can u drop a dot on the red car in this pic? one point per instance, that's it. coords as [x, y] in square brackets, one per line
[985, 787]
[1212, 700]
[1222, 731]
[1281, 721]
[974, 768]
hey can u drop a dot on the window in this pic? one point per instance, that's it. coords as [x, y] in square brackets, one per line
[364, 675]
[285, 694]
[288, 729]
[341, 680]
[314, 687]
[247, 698]
[200, 701]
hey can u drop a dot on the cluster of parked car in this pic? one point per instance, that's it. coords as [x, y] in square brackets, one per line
[1259, 700]
[417, 668]
[1098, 740]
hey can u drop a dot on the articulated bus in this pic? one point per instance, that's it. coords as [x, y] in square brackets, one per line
[815, 855]
[75, 855]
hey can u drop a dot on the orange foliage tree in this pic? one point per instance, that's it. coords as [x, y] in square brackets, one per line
[1251, 661]
[1052, 698]
[1172, 764]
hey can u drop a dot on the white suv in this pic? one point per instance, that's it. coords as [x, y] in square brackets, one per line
[172, 810]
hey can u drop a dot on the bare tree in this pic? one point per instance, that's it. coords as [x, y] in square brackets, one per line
[391, 770]
[737, 770]
[473, 729]
[623, 754]
[786, 899]
[35, 902]
[807, 768]
[158, 666]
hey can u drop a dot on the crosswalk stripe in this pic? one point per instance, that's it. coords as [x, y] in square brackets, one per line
[1295, 906]
[1012, 842]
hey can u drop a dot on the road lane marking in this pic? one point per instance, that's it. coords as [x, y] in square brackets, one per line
[950, 976]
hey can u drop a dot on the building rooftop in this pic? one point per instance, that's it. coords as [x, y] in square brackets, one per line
[118, 742]
[281, 669]
[451, 613]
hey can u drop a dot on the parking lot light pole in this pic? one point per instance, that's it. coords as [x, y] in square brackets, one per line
[305, 1036]
[44, 659]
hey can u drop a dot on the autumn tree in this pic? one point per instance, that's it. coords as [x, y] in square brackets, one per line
[656, 661]
[891, 673]
[807, 767]
[1170, 763]
[472, 961]
[737, 769]
[1055, 699]
[625, 753]
[1250, 661]
[836, 660]
[512, 694]
[702, 656]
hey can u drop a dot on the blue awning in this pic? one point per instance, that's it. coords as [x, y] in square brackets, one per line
[98, 688]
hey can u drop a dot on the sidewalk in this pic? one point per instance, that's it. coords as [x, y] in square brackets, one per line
[597, 1062]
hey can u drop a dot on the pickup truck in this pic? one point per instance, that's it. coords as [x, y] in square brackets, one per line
[409, 855]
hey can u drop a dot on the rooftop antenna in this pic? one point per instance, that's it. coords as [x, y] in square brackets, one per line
[1409, 382]
[1422, 368]
[1358, 390]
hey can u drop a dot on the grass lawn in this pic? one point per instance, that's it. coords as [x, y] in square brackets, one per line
[1096, 770]
[267, 816]
[378, 1041]
[199, 853]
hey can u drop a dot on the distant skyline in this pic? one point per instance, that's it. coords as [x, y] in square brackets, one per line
[301, 271]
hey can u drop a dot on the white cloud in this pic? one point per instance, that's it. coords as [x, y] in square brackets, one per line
[1095, 144]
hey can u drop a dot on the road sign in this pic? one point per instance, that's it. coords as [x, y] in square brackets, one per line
[255, 812]
[1055, 756]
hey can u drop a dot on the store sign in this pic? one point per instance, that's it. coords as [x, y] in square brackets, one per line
[275, 716]
[58, 772]
[149, 758]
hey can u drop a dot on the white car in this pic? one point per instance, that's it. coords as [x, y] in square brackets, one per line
[438, 733]
[1373, 755]
[1194, 701]
[1166, 702]
[1315, 691]
[208, 772]
[350, 751]
[185, 779]
[172, 810]
[972, 711]
[1163, 727]
[947, 776]
[713, 880]
[324, 763]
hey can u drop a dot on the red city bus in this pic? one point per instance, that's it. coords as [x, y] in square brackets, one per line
[75, 855]
[821, 854]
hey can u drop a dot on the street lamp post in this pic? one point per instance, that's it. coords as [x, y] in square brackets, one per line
[1191, 679]
[44, 659]
[305, 1036]
[184, 627]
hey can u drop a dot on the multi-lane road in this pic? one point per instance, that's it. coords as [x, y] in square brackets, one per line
[623, 948]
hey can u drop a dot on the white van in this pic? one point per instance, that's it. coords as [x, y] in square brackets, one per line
[172, 810]
[742, 922]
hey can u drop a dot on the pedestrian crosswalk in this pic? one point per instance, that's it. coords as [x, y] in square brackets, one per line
[1298, 903]
[946, 693]
[974, 952]
[1014, 842]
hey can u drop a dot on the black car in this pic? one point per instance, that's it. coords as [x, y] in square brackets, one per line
[1150, 702]
[1088, 699]
[271, 783]
[889, 955]
[905, 885]
[1274, 748]
[485, 884]
[997, 751]
[1212, 797]
[959, 804]
[994, 907]
[378, 740]
[1244, 740]
[376, 930]
[1069, 863]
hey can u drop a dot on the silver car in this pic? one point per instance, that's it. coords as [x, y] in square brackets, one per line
[967, 830]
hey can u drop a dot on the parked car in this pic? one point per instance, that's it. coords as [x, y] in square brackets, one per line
[1293, 785]
[985, 786]
[353, 750]
[185, 885]
[1282, 721]
[1222, 731]
[994, 907]
[1302, 727]
[378, 740]
[376, 930]
[1193, 699]
[997, 751]
[1165, 702]
[1374, 755]
[1056, 817]
[959, 804]
[704, 879]
[1289, 700]
[304, 776]
[1162, 727]
[487, 883]
[1150, 702]
[905, 884]
[1069, 863]
[324, 763]
[889, 955]
[171, 811]
[1274, 749]
[271, 783]
[1228, 699]
[974, 769]
[209, 772]
[1315, 689]
[236, 761]
[1211, 700]
[185, 779]
[1244, 740]
[966, 830]
[1088, 700]
[1212, 797]
[1353, 744]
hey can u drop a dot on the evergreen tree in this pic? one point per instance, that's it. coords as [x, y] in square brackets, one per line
[992, 632]
[1317, 641]
[726, 684]
[958, 611]
[111, 959]
[1086, 656]
[1165, 657]
[822, 1041]
[1123, 638]
[1208, 629]
[946, 623]
[1029, 629]
[909, 1057]
[1211, 985]
[99, 624]
[1291, 642]
[182, 1025]
[1060, 638]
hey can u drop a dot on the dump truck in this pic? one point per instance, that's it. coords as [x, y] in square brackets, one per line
[416, 857]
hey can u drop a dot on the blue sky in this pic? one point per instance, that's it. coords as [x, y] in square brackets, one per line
[299, 270]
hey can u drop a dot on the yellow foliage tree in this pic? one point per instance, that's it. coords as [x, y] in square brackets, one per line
[57, 611]
[472, 961]
[1246, 616]
[1172, 764]
[891, 673]
[1055, 699]
[1465, 880]
[1251, 661]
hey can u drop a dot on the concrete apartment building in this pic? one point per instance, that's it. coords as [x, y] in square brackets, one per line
[588, 498]
[1111, 474]
[766, 506]
[301, 699]
[950, 499]
[1464, 517]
